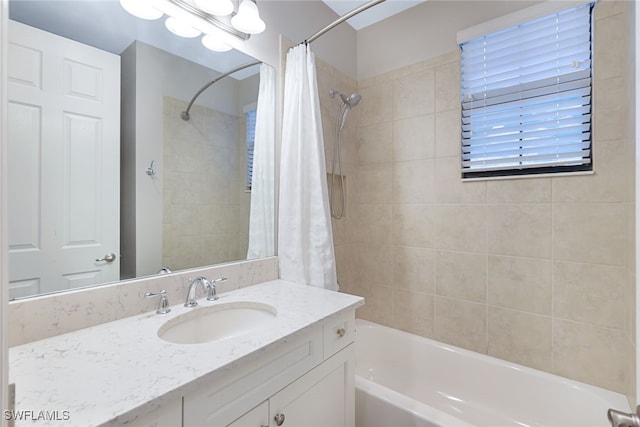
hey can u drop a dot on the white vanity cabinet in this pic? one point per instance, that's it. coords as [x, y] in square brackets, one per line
[323, 397]
[307, 382]
[257, 417]
[299, 368]
[167, 415]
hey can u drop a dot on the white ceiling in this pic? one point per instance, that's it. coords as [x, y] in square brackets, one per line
[112, 29]
[372, 15]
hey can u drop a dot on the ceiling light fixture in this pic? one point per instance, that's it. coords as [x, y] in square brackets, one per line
[190, 18]
[216, 7]
[141, 8]
[248, 19]
[181, 28]
[214, 43]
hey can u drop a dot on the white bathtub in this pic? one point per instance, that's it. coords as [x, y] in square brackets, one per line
[405, 380]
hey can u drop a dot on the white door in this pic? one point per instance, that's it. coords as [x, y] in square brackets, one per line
[64, 153]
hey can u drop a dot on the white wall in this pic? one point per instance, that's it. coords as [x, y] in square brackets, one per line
[127, 163]
[247, 90]
[422, 32]
[296, 21]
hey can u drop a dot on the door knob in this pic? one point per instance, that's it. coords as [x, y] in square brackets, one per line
[279, 419]
[108, 258]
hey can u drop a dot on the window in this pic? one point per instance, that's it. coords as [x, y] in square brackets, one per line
[250, 117]
[526, 97]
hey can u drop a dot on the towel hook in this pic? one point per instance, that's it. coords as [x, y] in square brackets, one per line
[150, 170]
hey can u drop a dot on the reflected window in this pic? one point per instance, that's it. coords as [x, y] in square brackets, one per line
[250, 116]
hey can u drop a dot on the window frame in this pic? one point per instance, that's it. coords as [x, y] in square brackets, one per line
[513, 22]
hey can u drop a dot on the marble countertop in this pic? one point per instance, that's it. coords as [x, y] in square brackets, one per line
[111, 373]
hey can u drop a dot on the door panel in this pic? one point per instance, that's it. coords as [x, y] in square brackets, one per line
[64, 150]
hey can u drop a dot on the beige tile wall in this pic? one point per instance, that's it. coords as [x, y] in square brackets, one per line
[206, 208]
[630, 82]
[535, 271]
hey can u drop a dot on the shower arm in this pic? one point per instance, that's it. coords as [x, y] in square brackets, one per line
[343, 18]
[185, 114]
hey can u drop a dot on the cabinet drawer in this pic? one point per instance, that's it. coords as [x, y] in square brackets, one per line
[339, 332]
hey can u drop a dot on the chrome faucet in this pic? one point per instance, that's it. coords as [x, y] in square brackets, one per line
[163, 303]
[193, 285]
[622, 419]
[209, 286]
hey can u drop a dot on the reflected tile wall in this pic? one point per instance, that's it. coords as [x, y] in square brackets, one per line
[535, 271]
[206, 208]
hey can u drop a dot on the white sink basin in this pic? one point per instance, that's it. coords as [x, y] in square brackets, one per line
[218, 322]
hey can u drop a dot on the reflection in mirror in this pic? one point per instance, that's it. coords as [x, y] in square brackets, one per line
[106, 181]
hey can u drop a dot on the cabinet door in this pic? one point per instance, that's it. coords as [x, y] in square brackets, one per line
[323, 397]
[257, 417]
[168, 415]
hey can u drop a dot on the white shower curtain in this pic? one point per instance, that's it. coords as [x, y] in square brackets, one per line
[305, 241]
[262, 216]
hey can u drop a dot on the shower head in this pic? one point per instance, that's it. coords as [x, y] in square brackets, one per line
[350, 101]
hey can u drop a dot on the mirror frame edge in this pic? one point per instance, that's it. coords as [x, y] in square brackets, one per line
[4, 257]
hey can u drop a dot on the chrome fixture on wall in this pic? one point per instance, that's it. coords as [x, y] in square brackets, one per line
[216, 20]
[348, 102]
[186, 115]
[623, 419]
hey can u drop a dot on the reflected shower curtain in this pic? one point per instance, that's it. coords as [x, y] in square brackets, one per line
[305, 241]
[261, 216]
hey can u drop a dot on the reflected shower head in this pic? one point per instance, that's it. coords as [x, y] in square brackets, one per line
[352, 100]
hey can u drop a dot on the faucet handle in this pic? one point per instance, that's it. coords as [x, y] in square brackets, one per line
[212, 294]
[622, 419]
[163, 304]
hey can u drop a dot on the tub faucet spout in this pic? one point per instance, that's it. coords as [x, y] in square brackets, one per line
[622, 419]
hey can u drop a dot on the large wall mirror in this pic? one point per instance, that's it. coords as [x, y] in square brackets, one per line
[106, 180]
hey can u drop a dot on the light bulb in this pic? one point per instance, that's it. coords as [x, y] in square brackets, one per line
[248, 19]
[216, 7]
[215, 44]
[141, 9]
[181, 29]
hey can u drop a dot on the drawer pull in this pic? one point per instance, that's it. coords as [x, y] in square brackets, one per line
[279, 419]
[341, 332]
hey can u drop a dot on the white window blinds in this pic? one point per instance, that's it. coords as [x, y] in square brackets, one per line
[251, 137]
[526, 97]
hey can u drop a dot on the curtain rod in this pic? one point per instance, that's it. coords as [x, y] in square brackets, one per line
[343, 18]
[185, 114]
